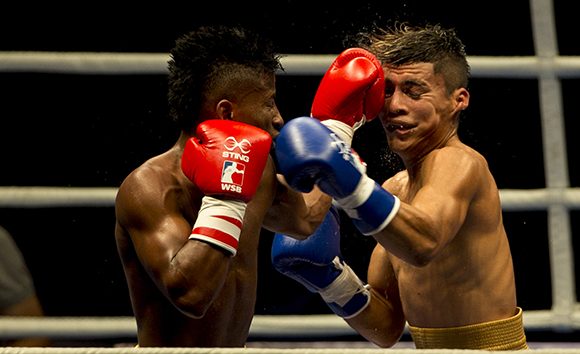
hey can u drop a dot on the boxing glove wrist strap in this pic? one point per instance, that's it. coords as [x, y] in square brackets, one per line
[344, 131]
[362, 192]
[219, 222]
[370, 206]
[347, 296]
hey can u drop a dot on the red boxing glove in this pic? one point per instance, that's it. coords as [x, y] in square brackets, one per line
[225, 161]
[226, 158]
[351, 92]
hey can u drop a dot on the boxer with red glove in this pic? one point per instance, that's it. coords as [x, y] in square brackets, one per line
[350, 93]
[225, 160]
[316, 263]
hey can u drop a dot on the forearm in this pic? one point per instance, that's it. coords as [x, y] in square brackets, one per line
[317, 205]
[411, 236]
[297, 214]
[195, 276]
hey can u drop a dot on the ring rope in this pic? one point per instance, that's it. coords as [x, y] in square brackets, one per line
[263, 326]
[104, 63]
[50, 197]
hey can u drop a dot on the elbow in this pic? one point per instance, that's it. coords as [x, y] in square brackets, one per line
[390, 337]
[193, 302]
[394, 336]
[387, 340]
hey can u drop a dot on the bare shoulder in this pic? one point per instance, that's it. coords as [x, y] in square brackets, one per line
[146, 186]
[397, 183]
[457, 169]
[142, 178]
[457, 158]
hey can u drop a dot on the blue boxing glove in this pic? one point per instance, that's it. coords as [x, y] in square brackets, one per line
[309, 154]
[316, 263]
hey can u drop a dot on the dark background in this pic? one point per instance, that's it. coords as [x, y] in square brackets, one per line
[88, 130]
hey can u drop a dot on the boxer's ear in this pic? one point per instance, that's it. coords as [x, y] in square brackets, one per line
[461, 99]
[225, 110]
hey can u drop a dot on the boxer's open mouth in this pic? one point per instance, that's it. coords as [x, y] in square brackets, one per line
[399, 126]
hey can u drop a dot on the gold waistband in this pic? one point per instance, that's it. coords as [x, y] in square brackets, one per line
[505, 334]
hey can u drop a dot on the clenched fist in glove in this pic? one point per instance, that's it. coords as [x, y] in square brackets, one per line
[351, 92]
[225, 160]
[317, 264]
[311, 154]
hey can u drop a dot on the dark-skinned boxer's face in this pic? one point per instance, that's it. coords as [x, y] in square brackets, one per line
[257, 106]
[419, 114]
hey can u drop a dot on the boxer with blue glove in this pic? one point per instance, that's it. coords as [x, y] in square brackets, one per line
[443, 265]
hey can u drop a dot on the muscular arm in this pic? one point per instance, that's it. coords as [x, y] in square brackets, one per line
[294, 213]
[383, 321]
[190, 273]
[435, 205]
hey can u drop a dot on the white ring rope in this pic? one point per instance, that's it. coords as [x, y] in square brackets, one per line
[50, 197]
[294, 64]
[263, 326]
[299, 326]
